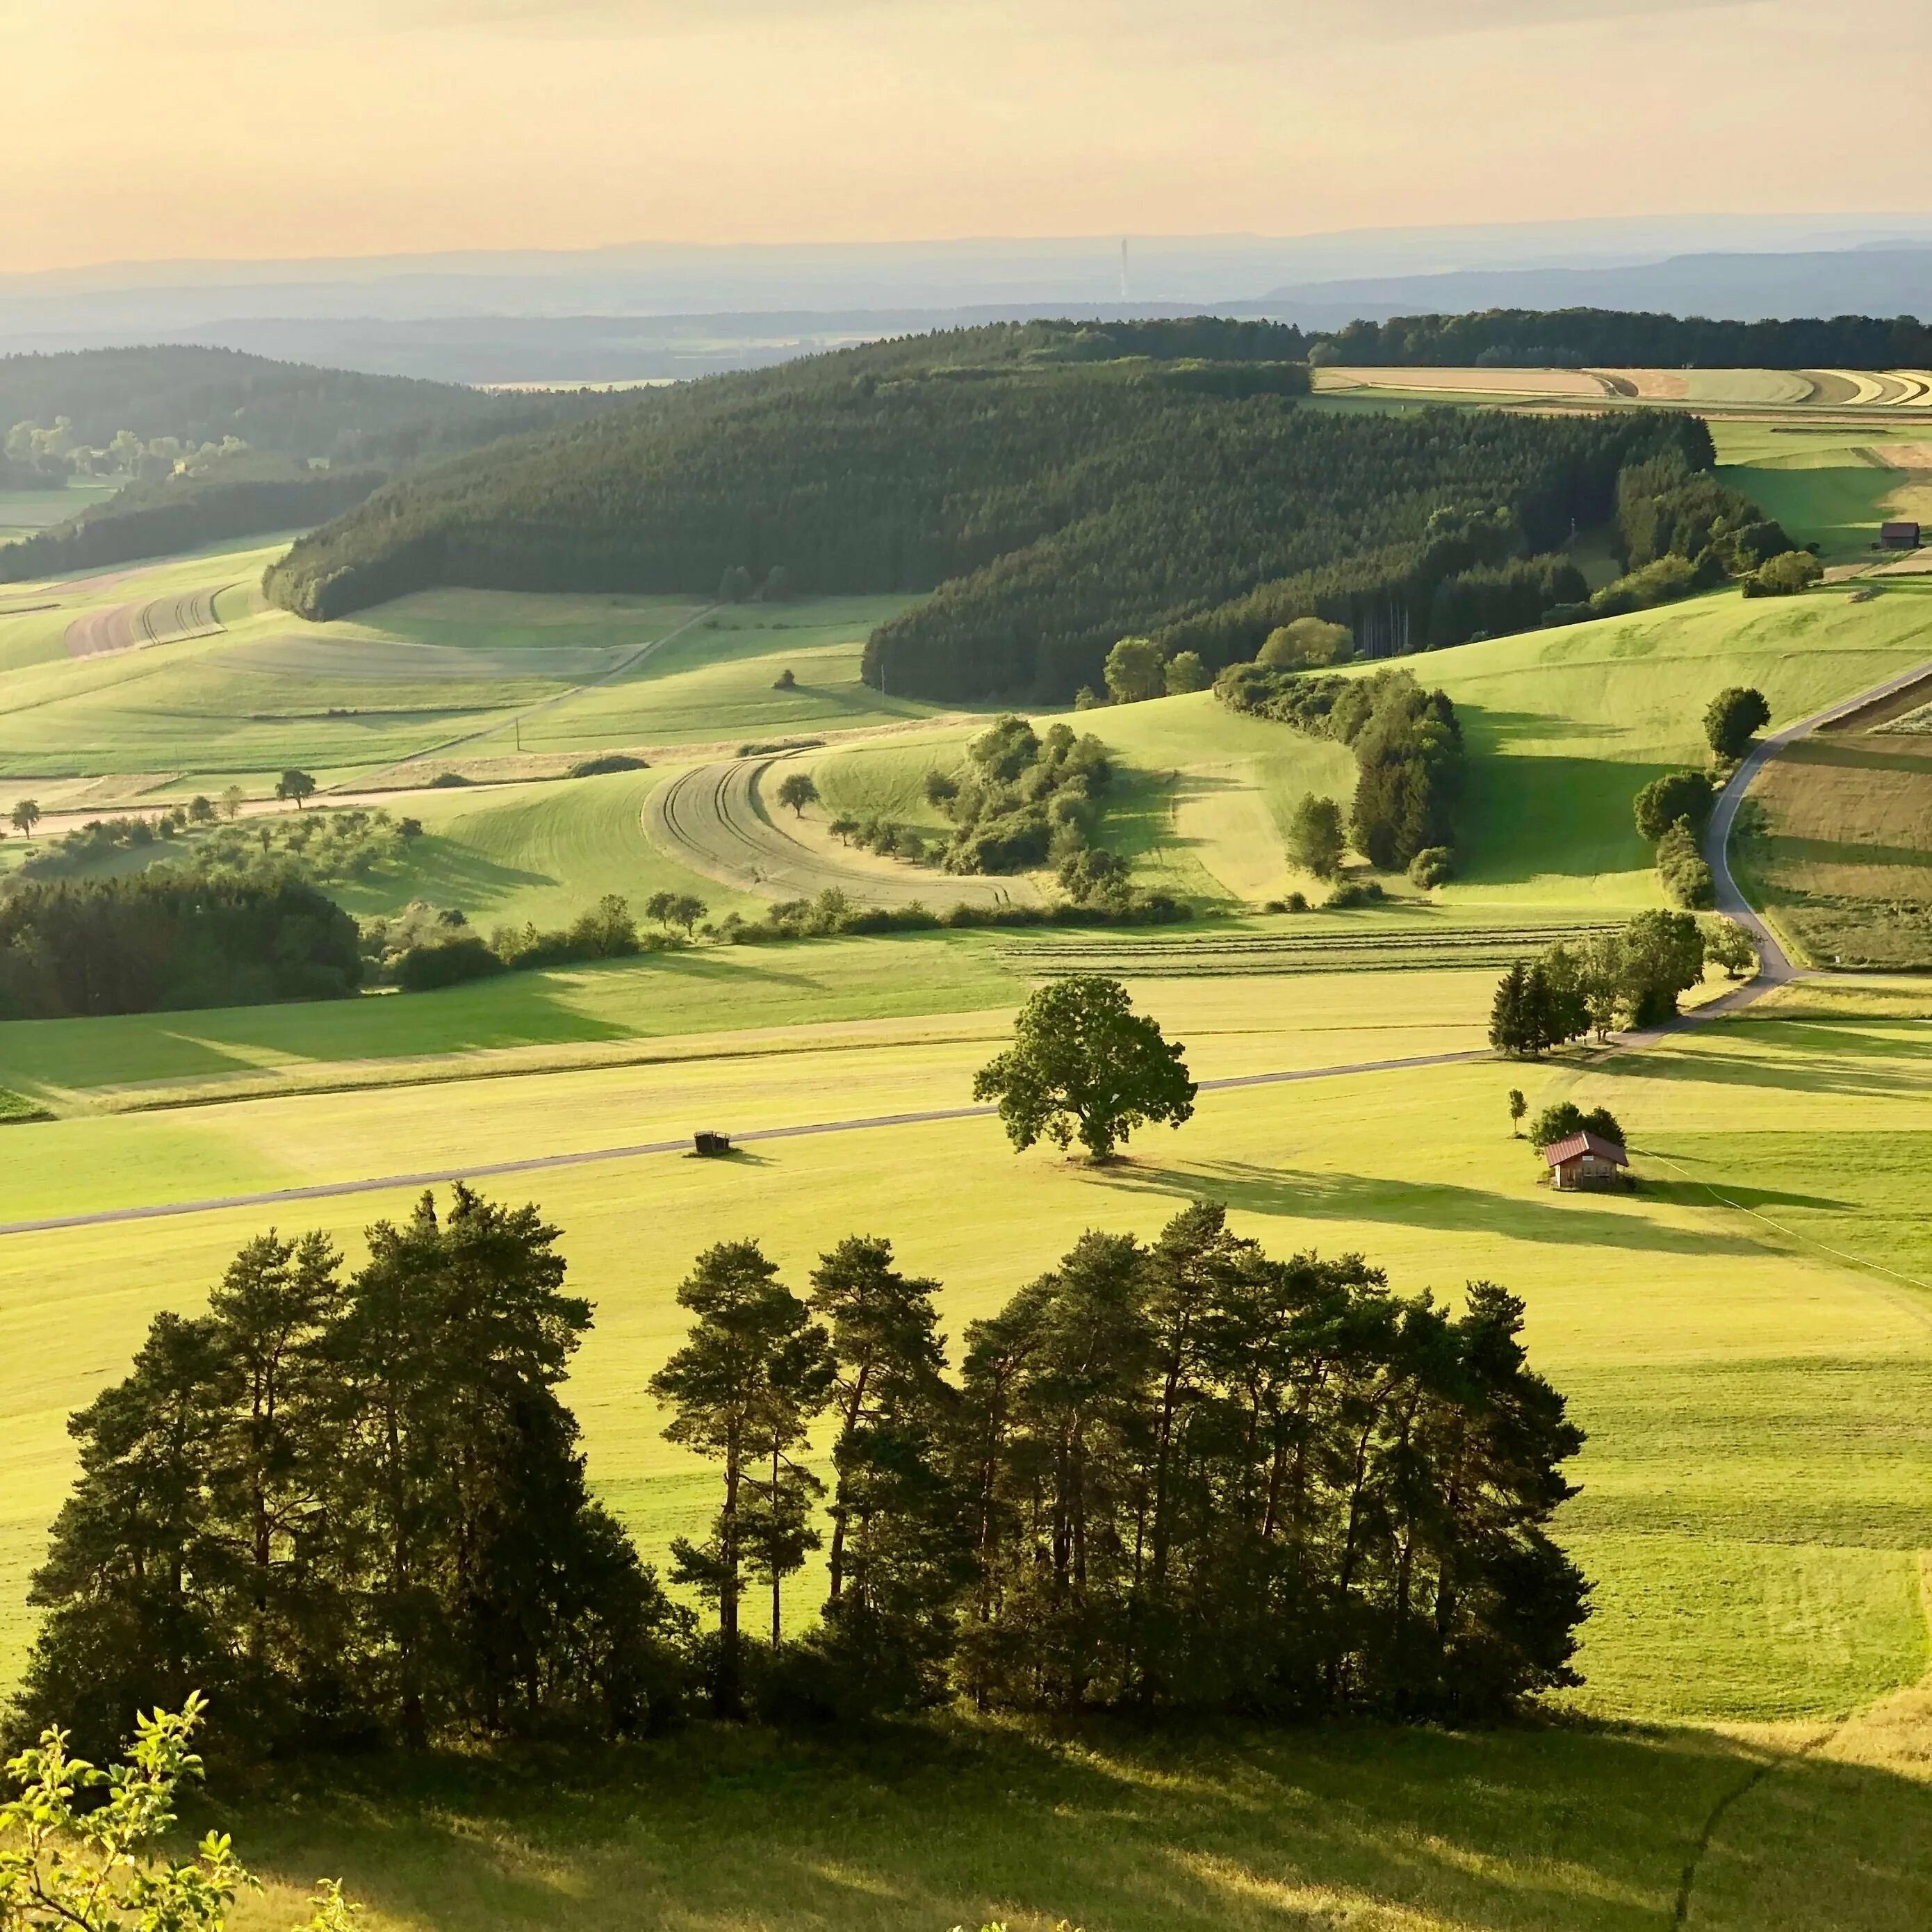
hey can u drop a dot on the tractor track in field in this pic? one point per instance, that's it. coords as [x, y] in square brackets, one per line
[173, 619]
[712, 819]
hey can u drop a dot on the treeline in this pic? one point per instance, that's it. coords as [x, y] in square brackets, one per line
[1408, 745]
[1174, 1478]
[167, 939]
[1614, 339]
[239, 499]
[1054, 503]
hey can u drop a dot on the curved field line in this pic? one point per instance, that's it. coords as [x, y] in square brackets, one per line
[158, 620]
[1865, 388]
[1918, 387]
[709, 818]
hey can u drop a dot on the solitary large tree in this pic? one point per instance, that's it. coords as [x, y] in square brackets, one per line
[797, 791]
[1083, 1063]
[1733, 717]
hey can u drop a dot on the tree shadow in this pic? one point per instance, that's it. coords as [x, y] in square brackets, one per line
[1562, 1221]
[916, 1828]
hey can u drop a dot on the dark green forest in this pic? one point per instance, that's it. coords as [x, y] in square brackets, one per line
[1601, 338]
[1055, 496]
[169, 939]
[1179, 1478]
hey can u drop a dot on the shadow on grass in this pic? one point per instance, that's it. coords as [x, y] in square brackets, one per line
[1832, 1070]
[1538, 1217]
[920, 1828]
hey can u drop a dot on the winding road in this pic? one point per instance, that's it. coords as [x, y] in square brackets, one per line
[712, 819]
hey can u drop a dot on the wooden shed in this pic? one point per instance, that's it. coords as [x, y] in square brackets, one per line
[1585, 1160]
[1899, 536]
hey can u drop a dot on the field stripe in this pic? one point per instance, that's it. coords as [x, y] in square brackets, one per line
[539, 1163]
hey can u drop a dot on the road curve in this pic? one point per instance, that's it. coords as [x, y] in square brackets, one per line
[1776, 967]
[712, 819]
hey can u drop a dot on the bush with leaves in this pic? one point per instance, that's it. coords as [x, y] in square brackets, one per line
[1733, 718]
[81, 1849]
[1784, 575]
[1688, 880]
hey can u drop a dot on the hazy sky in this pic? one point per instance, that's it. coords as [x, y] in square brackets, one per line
[155, 128]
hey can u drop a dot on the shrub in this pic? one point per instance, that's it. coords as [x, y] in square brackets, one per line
[1784, 575]
[1732, 719]
[1434, 866]
[1687, 879]
[1306, 643]
[1677, 795]
[609, 761]
[424, 969]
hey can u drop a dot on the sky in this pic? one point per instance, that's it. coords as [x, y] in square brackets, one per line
[142, 130]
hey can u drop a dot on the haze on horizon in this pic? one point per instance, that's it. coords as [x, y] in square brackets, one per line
[253, 129]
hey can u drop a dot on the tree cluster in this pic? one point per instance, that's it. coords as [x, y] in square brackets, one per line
[168, 939]
[1021, 800]
[1183, 1476]
[1629, 977]
[1407, 742]
[352, 1507]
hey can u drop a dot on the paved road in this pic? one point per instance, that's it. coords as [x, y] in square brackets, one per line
[712, 818]
[1777, 969]
[541, 1163]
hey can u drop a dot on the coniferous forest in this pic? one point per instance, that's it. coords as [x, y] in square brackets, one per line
[1176, 1478]
[1056, 486]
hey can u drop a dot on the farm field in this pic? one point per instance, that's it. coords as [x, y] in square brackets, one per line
[1753, 1377]
[24, 512]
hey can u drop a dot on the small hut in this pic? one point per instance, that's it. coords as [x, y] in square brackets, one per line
[709, 1146]
[1585, 1160]
[1899, 536]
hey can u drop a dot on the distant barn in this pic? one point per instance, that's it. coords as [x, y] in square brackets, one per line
[1585, 1160]
[1899, 536]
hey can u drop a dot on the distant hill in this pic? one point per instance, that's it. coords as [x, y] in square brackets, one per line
[1058, 484]
[222, 444]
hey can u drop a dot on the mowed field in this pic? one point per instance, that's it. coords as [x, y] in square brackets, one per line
[1746, 1340]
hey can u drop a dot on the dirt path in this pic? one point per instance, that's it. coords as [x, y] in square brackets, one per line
[712, 819]
[159, 620]
[366, 779]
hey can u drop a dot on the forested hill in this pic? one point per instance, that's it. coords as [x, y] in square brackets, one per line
[198, 396]
[1064, 483]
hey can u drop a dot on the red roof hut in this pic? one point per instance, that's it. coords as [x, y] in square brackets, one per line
[1585, 1160]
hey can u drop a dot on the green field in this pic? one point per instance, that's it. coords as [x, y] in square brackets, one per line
[1747, 1339]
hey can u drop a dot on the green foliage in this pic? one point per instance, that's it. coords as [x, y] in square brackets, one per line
[69, 1865]
[680, 909]
[1687, 879]
[1021, 800]
[452, 961]
[1687, 795]
[1083, 1063]
[1315, 839]
[1784, 574]
[170, 938]
[1306, 643]
[1664, 581]
[1185, 673]
[1733, 718]
[1633, 975]
[1434, 865]
[25, 816]
[354, 1509]
[797, 790]
[1135, 671]
[1559, 1122]
[1727, 944]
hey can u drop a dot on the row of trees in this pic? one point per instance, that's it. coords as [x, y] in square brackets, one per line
[1630, 977]
[1183, 1476]
[1408, 745]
